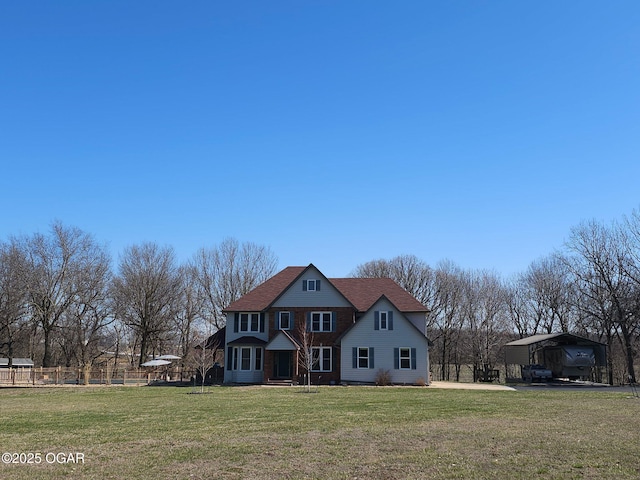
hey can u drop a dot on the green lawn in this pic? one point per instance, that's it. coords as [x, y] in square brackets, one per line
[339, 432]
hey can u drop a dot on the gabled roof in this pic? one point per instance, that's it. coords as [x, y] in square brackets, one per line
[380, 299]
[261, 297]
[362, 293]
[283, 339]
[562, 337]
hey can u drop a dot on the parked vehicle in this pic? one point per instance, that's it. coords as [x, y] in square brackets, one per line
[570, 361]
[536, 373]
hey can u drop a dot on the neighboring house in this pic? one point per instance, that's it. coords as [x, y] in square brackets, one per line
[354, 327]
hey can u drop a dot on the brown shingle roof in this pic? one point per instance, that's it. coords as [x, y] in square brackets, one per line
[364, 292]
[264, 294]
[361, 292]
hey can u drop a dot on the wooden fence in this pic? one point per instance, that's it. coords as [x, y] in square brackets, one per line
[75, 376]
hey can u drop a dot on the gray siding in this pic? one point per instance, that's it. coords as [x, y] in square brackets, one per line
[295, 296]
[404, 334]
[231, 335]
[419, 320]
[244, 376]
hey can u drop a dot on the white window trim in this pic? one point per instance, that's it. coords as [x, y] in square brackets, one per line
[366, 349]
[241, 358]
[321, 357]
[249, 322]
[321, 322]
[386, 320]
[280, 320]
[401, 357]
[237, 359]
[309, 283]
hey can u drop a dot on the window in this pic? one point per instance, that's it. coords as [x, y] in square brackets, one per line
[405, 359]
[321, 359]
[311, 285]
[258, 365]
[363, 358]
[321, 322]
[249, 322]
[284, 320]
[245, 358]
[235, 358]
[383, 320]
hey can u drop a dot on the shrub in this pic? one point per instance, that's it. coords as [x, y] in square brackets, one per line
[383, 377]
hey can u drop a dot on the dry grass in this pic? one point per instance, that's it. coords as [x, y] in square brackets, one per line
[341, 432]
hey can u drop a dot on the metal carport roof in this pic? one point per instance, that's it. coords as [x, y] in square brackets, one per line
[520, 352]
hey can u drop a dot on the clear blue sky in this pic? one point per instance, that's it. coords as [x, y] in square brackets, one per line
[334, 132]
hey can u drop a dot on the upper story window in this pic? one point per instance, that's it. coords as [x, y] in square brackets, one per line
[311, 285]
[320, 322]
[249, 322]
[383, 320]
[284, 320]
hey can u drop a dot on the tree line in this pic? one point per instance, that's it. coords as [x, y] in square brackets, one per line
[61, 303]
[591, 287]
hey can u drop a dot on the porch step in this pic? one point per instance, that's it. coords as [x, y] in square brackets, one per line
[284, 383]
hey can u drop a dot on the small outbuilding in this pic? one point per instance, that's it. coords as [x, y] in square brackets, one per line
[566, 355]
[16, 370]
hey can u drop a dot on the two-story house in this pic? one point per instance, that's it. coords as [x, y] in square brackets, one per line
[353, 327]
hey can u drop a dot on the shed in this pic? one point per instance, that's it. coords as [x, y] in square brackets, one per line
[565, 354]
[16, 363]
[19, 372]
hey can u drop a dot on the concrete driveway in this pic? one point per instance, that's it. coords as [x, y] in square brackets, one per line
[470, 386]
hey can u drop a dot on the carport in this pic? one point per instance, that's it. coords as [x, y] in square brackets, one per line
[555, 351]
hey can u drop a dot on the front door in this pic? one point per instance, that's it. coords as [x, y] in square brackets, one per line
[283, 364]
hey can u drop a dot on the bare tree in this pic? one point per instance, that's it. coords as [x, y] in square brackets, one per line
[484, 311]
[189, 311]
[519, 309]
[600, 263]
[408, 271]
[548, 287]
[204, 353]
[146, 291]
[306, 358]
[13, 300]
[445, 320]
[57, 270]
[229, 271]
[89, 315]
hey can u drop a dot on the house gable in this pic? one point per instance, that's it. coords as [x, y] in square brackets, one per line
[311, 289]
[282, 341]
[399, 334]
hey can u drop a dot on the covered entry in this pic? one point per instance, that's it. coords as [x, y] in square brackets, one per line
[566, 355]
[282, 365]
[281, 362]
